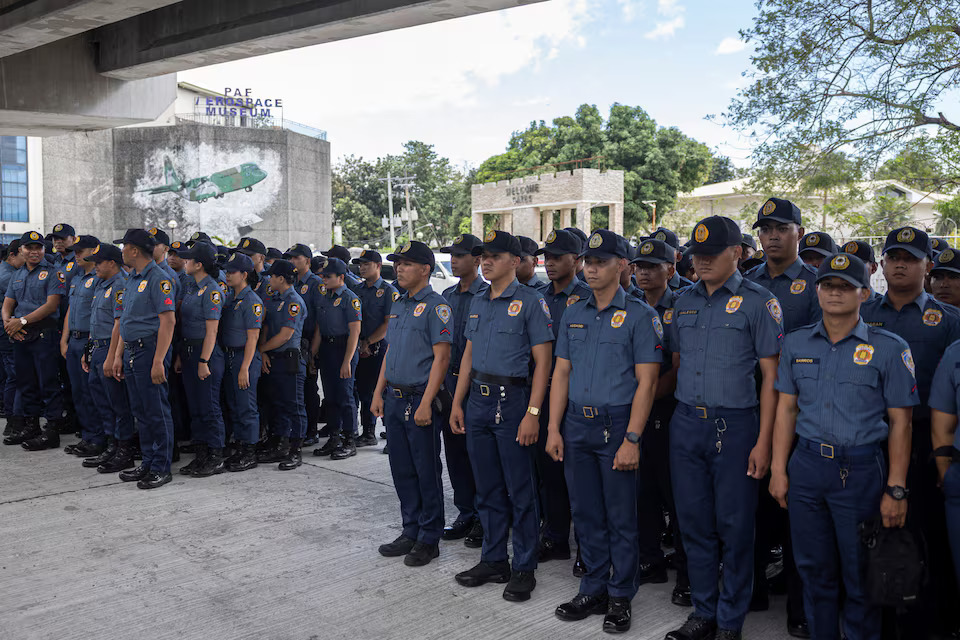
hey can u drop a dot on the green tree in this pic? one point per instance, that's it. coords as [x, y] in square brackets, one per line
[722, 169]
[834, 74]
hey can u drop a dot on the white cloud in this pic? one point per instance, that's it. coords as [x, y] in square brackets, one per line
[665, 29]
[669, 8]
[630, 9]
[730, 45]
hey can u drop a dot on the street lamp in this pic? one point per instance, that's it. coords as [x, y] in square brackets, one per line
[653, 205]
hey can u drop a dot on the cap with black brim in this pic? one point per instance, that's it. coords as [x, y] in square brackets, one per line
[845, 266]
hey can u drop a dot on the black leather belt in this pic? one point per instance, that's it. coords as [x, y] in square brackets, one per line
[105, 342]
[191, 343]
[286, 353]
[502, 381]
[139, 343]
[333, 339]
[233, 350]
[401, 390]
[80, 335]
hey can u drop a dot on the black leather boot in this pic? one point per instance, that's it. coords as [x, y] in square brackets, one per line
[331, 445]
[49, 437]
[95, 461]
[347, 448]
[294, 458]
[134, 475]
[11, 433]
[30, 428]
[245, 459]
[201, 450]
[120, 461]
[278, 453]
[212, 464]
[368, 438]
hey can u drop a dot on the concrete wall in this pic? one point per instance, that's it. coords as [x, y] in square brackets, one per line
[99, 182]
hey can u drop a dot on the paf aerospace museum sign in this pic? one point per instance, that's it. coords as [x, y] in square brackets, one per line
[238, 102]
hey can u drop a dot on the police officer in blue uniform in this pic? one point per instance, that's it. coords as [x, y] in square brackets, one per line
[413, 371]
[944, 400]
[343, 254]
[257, 252]
[73, 348]
[815, 247]
[463, 265]
[865, 252]
[945, 277]
[529, 259]
[561, 255]
[284, 366]
[31, 319]
[506, 326]
[583, 242]
[749, 246]
[720, 437]
[339, 315]
[376, 295]
[146, 330]
[605, 378]
[677, 280]
[310, 287]
[654, 265]
[240, 324]
[12, 260]
[929, 327]
[838, 380]
[108, 396]
[175, 262]
[200, 360]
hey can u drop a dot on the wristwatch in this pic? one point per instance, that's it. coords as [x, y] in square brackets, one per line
[897, 492]
[534, 411]
[632, 438]
[23, 322]
[203, 361]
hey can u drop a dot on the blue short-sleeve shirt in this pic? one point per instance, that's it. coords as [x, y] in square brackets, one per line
[795, 288]
[460, 302]
[720, 339]
[505, 329]
[945, 391]
[30, 288]
[843, 390]
[241, 312]
[336, 309]
[107, 297]
[309, 287]
[558, 302]
[416, 324]
[664, 309]
[198, 307]
[82, 287]
[147, 295]
[375, 301]
[603, 347]
[285, 310]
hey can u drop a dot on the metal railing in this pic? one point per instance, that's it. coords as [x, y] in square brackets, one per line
[253, 122]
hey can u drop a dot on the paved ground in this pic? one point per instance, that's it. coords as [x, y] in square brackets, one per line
[262, 554]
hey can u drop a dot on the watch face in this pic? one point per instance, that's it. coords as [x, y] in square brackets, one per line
[897, 493]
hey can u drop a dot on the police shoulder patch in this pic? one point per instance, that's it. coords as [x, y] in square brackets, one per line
[293, 309]
[773, 306]
[61, 277]
[443, 312]
[215, 297]
[546, 309]
[907, 358]
[257, 309]
[356, 303]
[165, 286]
[657, 327]
[118, 296]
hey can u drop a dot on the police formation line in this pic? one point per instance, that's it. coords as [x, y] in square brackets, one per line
[719, 399]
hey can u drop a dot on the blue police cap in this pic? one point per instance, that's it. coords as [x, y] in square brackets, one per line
[939, 244]
[203, 252]
[31, 237]
[910, 239]
[948, 260]
[368, 255]
[818, 242]
[337, 251]
[239, 262]
[666, 235]
[497, 241]
[560, 242]
[250, 246]
[462, 245]
[63, 230]
[846, 266]
[138, 238]
[713, 234]
[274, 254]
[103, 252]
[281, 267]
[862, 250]
[159, 235]
[415, 252]
[758, 257]
[579, 233]
[199, 236]
[778, 210]
[655, 252]
[749, 241]
[685, 263]
[86, 242]
[334, 267]
[298, 250]
[528, 246]
[604, 243]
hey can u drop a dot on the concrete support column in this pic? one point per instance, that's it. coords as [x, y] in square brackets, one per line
[566, 216]
[583, 217]
[476, 224]
[546, 224]
[616, 218]
[507, 222]
[526, 222]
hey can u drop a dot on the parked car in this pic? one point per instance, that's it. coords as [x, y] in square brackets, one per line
[439, 280]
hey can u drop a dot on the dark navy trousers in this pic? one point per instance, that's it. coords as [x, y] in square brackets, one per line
[824, 518]
[367, 374]
[458, 463]
[111, 407]
[415, 466]
[505, 474]
[91, 430]
[288, 413]
[552, 488]
[951, 493]
[38, 368]
[203, 396]
[716, 507]
[244, 412]
[339, 391]
[149, 404]
[12, 403]
[604, 501]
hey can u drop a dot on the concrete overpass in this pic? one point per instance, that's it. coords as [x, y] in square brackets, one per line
[84, 65]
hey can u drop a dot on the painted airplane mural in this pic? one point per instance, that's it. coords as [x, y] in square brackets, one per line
[216, 185]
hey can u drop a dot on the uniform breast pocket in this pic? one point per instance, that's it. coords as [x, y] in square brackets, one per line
[729, 337]
[806, 376]
[687, 332]
[510, 333]
[473, 323]
[577, 340]
[859, 386]
[615, 348]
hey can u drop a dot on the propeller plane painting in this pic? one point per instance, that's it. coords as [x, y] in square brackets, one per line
[216, 185]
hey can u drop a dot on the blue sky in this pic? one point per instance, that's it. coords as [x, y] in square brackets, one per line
[464, 85]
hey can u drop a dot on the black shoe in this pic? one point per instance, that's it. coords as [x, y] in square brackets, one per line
[681, 596]
[347, 449]
[10, 427]
[202, 451]
[119, 461]
[280, 450]
[694, 629]
[310, 441]
[84, 449]
[368, 438]
[581, 607]
[328, 447]
[109, 451]
[649, 573]
[553, 550]
[521, 585]
[49, 438]
[134, 475]
[578, 568]
[212, 464]
[483, 573]
[474, 537]
[798, 628]
[15, 426]
[459, 529]
[385, 451]
[153, 480]
[399, 547]
[245, 459]
[421, 554]
[727, 634]
[294, 458]
[619, 614]
[383, 435]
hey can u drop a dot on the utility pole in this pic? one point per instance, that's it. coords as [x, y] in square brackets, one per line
[653, 204]
[393, 238]
[405, 182]
[406, 192]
